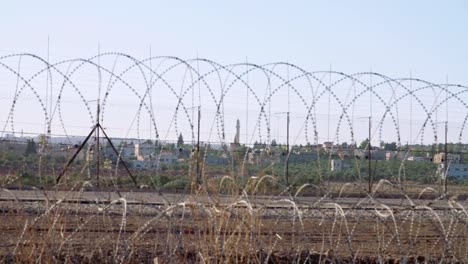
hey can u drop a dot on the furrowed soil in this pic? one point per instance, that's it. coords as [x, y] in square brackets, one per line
[195, 231]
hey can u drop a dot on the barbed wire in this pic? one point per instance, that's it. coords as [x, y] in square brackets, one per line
[163, 97]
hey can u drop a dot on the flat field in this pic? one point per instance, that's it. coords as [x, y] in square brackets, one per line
[133, 227]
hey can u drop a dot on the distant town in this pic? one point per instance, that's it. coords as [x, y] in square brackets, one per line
[150, 154]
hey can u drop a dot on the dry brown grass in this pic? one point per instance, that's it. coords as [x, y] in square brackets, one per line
[206, 227]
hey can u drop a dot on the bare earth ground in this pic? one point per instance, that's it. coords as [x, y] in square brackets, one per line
[171, 228]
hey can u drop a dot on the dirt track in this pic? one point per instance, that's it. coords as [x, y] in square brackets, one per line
[182, 226]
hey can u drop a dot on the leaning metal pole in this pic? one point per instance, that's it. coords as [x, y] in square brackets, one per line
[96, 127]
[74, 155]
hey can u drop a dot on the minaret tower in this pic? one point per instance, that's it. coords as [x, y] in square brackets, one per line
[237, 137]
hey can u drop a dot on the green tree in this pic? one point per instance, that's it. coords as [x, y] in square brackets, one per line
[273, 143]
[390, 146]
[258, 145]
[180, 141]
[31, 147]
[364, 144]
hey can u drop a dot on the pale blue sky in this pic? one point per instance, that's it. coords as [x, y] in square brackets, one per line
[428, 37]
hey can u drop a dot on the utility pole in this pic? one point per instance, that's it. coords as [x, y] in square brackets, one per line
[98, 152]
[196, 179]
[369, 155]
[98, 125]
[287, 148]
[446, 158]
[198, 149]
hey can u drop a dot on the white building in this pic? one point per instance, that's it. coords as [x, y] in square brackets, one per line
[459, 171]
[414, 158]
[327, 146]
[376, 154]
[126, 151]
[166, 157]
[144, 164]
[452, 158]
[339, 165]
[144, 151]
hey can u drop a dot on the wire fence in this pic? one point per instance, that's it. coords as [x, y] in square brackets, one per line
[264, 163]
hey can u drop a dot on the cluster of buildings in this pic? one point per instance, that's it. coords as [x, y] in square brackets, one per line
[148, 155]
[456, 166]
